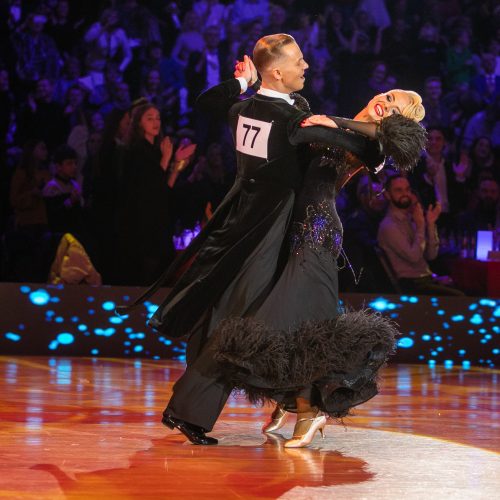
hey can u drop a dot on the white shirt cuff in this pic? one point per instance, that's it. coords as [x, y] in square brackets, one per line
[243, 83]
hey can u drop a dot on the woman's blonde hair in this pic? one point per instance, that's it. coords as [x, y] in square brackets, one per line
[415, 110]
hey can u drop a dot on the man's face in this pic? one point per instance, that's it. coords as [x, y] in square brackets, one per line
[291, 67]
[399, 193]
[489, 193]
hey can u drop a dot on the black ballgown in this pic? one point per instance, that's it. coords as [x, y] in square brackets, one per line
[300, 336]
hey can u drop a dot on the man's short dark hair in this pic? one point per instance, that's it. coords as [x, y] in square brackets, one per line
[391, 179]
[64, 152]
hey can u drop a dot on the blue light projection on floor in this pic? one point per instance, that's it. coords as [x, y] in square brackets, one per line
[52, 320]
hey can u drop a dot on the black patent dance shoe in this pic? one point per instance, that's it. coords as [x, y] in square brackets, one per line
[194, 433]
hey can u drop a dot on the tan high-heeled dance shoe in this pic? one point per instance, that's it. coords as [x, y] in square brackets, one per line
[305, 429]
[278, 420]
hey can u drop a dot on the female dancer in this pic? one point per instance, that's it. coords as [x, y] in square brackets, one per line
[298, 349]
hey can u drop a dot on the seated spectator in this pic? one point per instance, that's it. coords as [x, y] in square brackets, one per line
[37, 54]
[459, 60]
[277, 19]
[139, 24]
[93, 123]
[165, 98]
[189, 40]
[484, 215]
[429, 52]
[484, 123]
[108, 42]
[360, 239]
[206, 68]
[63, 194]
[71, 74]
[61, 29]
[437, 179]
[170, 25]
[437, 113]
[41, 110]
[207, 184]
[484, 161]
[26, 242]
[120, 98]
[74, 106]
[487, 83]
[245, 12]
[212, 13]
[409, 238]
[26, 187]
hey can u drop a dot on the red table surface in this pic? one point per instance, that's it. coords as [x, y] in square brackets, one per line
[477, 277]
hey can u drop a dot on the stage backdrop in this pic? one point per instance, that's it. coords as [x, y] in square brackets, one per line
[79, 320]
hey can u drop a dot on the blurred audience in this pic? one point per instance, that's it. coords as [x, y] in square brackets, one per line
[72, 74]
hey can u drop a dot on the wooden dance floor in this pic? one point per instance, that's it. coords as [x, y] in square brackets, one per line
[79, 428]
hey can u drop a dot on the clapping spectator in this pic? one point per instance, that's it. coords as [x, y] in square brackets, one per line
[408, 236]
[437, 179]
[189, 40]
[207, 68]
[107, 42]
[37, 54]
[148, 210]
[245, 12]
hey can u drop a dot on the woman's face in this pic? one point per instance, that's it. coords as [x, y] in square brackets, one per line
[150, 122]
[386, 104]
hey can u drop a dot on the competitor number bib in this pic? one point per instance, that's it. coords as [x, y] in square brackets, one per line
[252, 136]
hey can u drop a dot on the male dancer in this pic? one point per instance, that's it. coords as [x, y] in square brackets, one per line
[236, 256]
